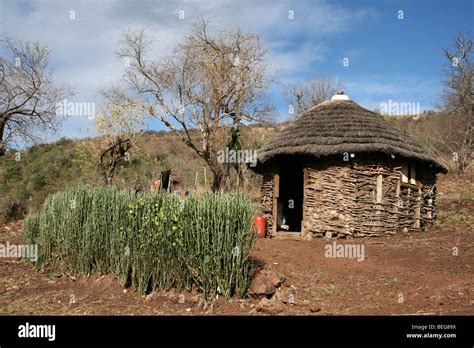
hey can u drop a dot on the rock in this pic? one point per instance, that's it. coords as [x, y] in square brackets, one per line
[276, 282]
[265, 283]
[259, 288]
[314, 309]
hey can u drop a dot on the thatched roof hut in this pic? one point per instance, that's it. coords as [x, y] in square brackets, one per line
[342, 170]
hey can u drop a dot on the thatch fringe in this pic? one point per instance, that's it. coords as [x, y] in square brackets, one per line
[338, 126]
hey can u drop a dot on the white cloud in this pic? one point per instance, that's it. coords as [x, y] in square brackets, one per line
[83, 49]
[283, 63]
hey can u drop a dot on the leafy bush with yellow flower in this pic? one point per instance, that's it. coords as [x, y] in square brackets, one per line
[148, 240]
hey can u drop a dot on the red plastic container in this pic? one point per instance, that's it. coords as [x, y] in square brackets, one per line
[260, 223]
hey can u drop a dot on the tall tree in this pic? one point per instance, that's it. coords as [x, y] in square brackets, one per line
[28, 96]
[458, 102]
[209, 82]
[306, 94]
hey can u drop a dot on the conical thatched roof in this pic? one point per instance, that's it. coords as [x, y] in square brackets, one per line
[337, 126]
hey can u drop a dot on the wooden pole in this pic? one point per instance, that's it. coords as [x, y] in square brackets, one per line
[397, 195]
[276, 195]
[418, 210]
[430, 204]
[379, 190]
[196, 180]
[305, 198]
[397, 207]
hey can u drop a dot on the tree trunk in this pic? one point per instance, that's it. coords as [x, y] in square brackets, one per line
[235, 144]
[217, 174]
[108, 180]
[3, 146]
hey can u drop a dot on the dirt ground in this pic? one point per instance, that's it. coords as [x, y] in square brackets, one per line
[407, 274]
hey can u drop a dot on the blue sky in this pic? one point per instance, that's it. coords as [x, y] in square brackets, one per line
[389, 58]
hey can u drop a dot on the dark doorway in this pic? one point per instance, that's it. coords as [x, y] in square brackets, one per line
[290, 201]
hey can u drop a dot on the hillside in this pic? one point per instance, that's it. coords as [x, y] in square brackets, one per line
[42, 169]
[420, 266]
[46, 168]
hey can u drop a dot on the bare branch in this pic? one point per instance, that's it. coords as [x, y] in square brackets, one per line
[28, 97]
[209, 82]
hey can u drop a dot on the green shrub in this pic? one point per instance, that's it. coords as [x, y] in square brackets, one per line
[64, 141]
[12, 209]
[38, 181]
[30, 229]
[391, 119]
[13, 171]
[65, 161]
[149, 241]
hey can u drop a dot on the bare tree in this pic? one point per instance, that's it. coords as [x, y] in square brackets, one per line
[209, 82]
[457, 139]
[28, 97]
[304, 95]
[458, 89]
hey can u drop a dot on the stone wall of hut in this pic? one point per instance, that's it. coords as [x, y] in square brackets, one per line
[359, 200]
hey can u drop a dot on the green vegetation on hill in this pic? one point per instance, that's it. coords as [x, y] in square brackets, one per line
[49, 168]
[29, 176]
[42, 169]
